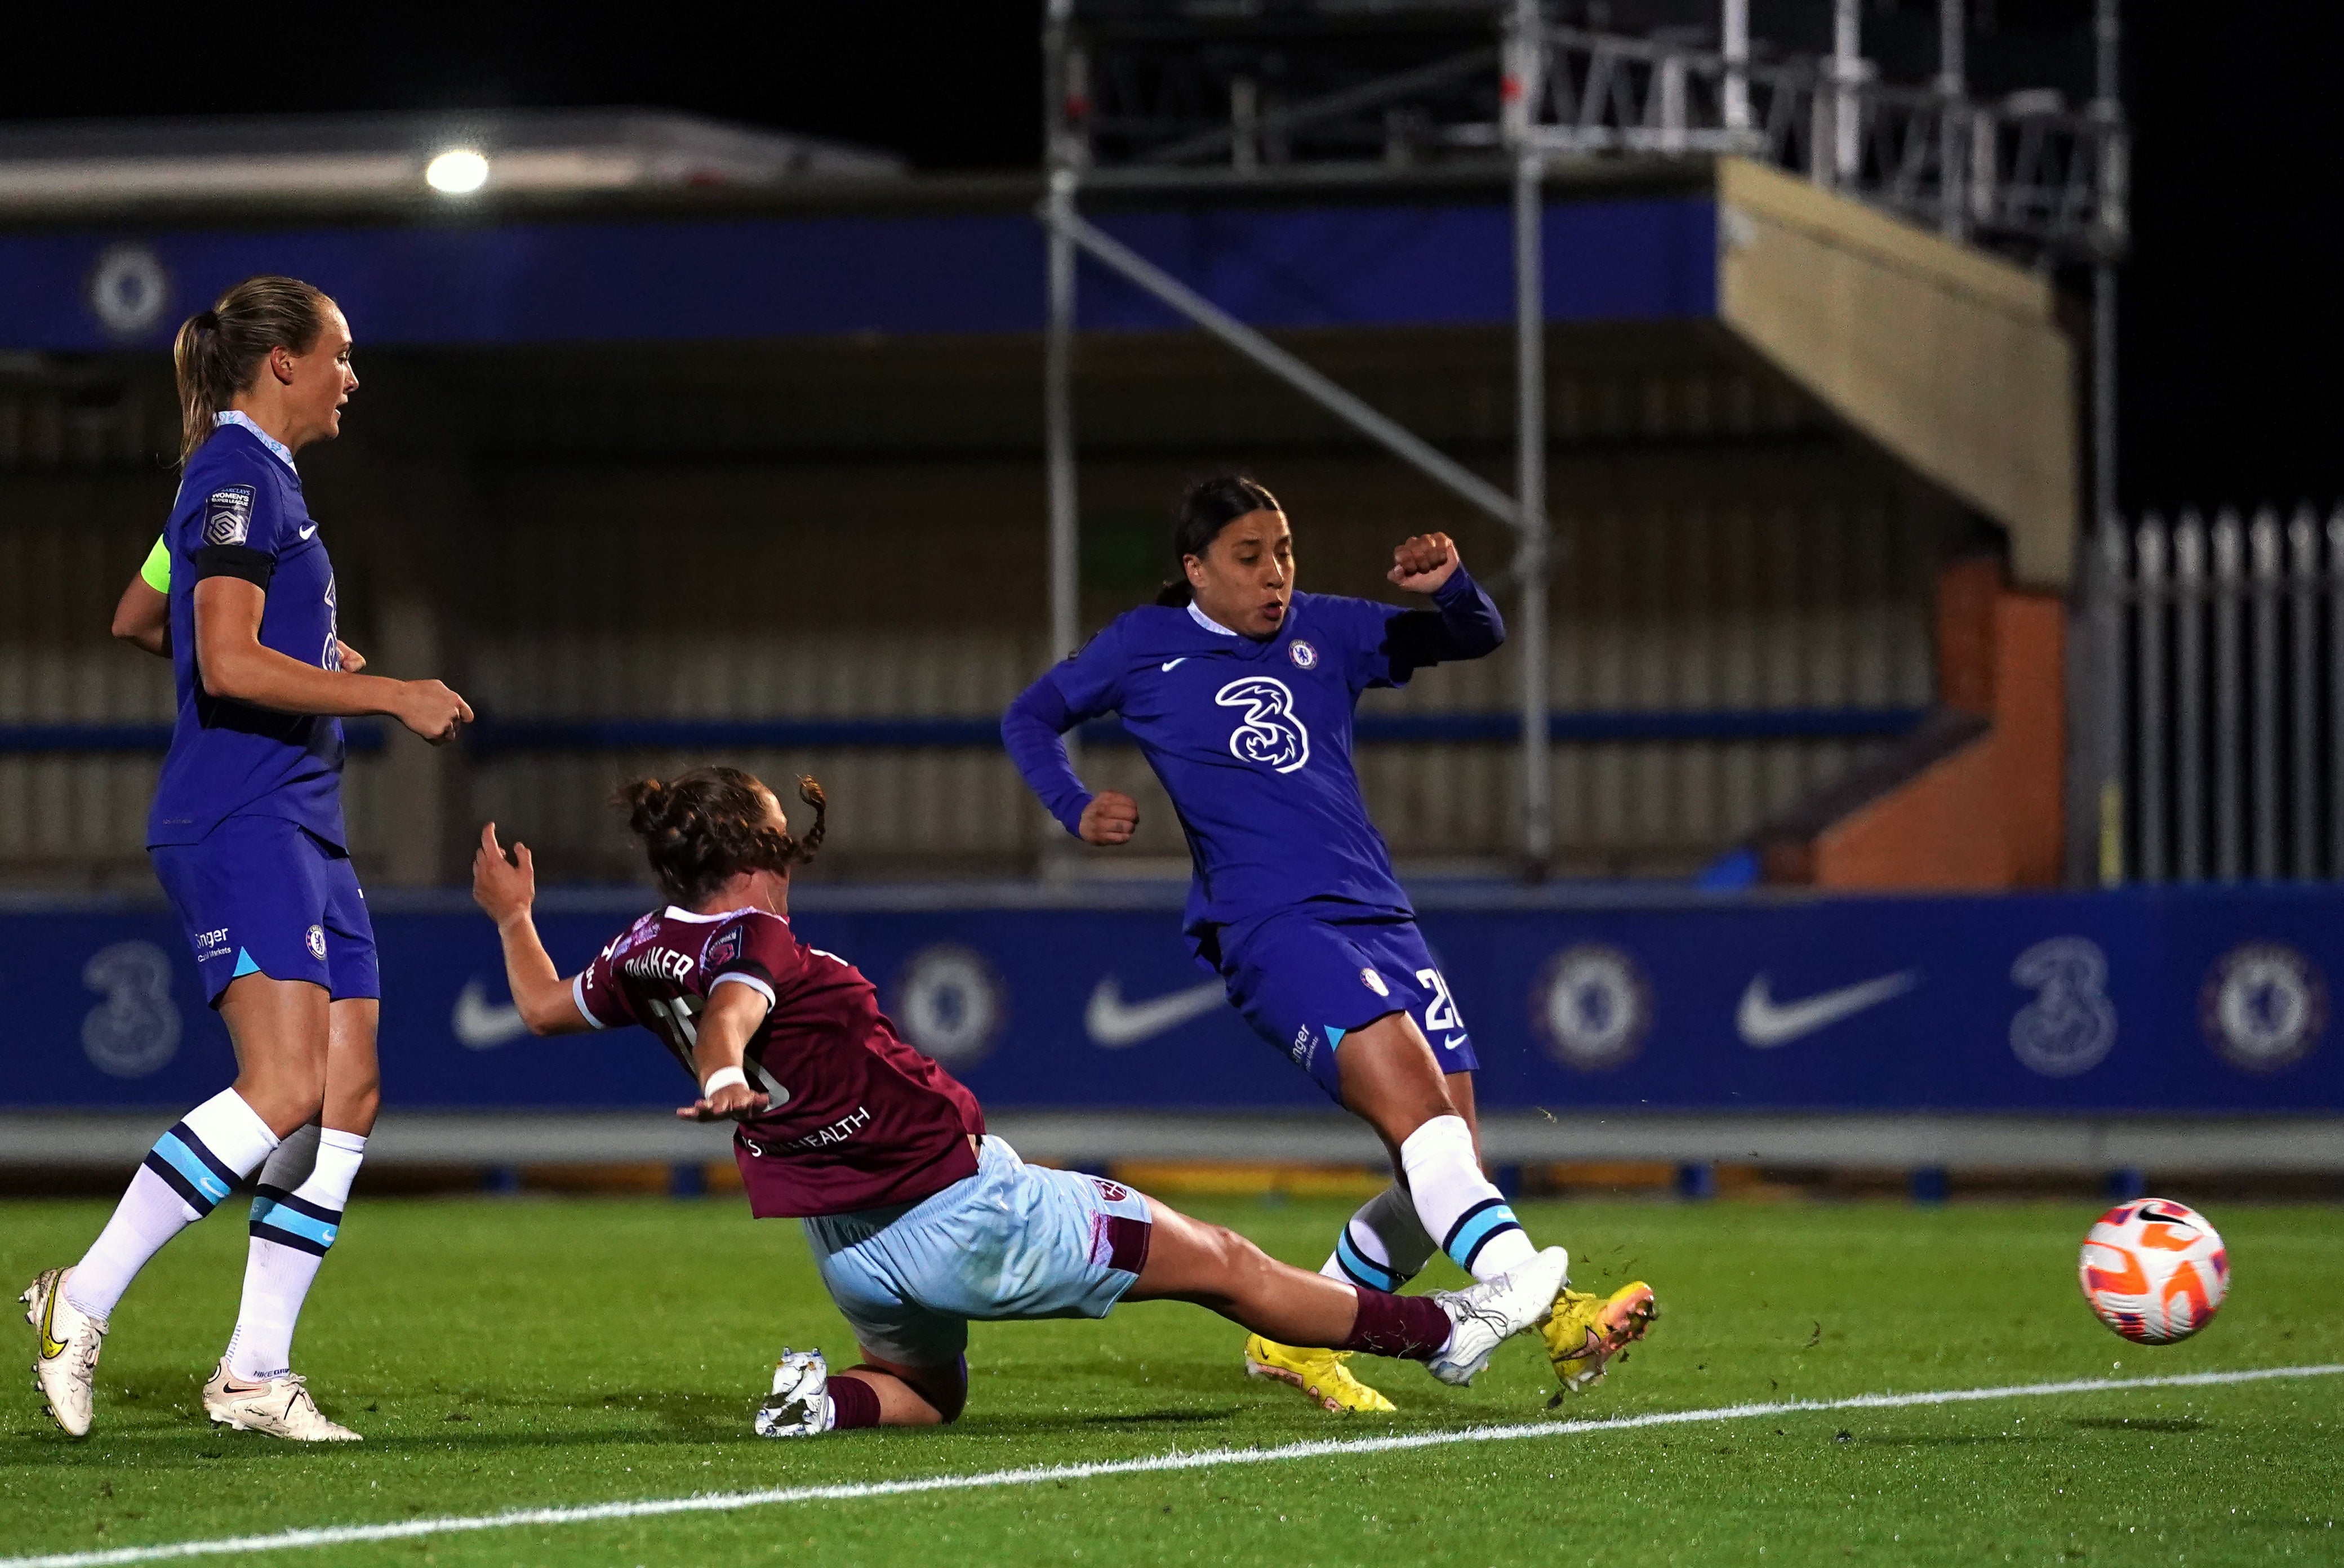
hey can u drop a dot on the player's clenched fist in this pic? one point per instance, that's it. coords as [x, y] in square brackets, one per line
[1423, 563]
[431, 709]
[1111, 817]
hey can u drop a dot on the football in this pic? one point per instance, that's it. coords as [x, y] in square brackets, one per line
[2154, 1270]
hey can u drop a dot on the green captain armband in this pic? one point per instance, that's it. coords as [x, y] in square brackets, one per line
[156, 572]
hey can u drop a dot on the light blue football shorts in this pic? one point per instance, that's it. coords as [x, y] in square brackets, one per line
[1012, 1242]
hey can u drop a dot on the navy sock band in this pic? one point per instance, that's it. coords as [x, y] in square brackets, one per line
[199, 1176]
[280, 1217]
[1491, 1217]
[1360, 1269]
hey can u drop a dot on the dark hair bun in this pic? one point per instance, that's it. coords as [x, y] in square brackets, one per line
[702, 828]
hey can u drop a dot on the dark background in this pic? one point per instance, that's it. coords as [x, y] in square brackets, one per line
[2232, 379]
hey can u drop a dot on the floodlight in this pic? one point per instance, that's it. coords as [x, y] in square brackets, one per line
[459, 171]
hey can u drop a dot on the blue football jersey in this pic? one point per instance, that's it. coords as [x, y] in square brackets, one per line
[1252, 737]
[241, 513]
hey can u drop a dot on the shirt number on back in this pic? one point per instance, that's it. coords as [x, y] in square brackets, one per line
[678, 1019]
[1270, 732]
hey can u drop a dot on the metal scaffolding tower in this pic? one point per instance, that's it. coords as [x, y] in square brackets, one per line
[1181, 99]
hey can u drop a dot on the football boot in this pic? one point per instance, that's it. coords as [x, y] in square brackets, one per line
[1486, 1316]
[1320, 1374]
[799, 1405]
[65, 1355]
[1587, 1330]
[278, 1406]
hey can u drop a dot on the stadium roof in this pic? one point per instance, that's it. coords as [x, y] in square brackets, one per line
[307, 158]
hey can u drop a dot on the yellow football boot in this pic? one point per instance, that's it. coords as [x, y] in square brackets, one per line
[1321, 1374]
[1586, 1330]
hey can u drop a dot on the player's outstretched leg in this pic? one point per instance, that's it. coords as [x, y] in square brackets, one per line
[1382, 1247]
[1440, 1199]
[184, 1177]
[1452, 1332]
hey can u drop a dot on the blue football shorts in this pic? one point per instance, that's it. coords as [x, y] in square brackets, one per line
[1012, 1242]
[262, 895]
[1304, 981]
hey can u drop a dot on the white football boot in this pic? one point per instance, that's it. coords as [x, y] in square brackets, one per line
[1486, 1316]
[65, 1356]
[799, 1405]
[279, 1406]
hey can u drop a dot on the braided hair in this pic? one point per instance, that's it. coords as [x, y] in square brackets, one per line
[704, 828]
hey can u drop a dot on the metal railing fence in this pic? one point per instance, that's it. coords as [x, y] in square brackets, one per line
[2215, 696]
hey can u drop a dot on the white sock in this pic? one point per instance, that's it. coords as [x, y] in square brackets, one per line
[190, 1169]
[1457, 1204]
[296, 1216]
[1384, 1246]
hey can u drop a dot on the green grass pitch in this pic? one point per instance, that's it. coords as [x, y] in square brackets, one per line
[511, 1353]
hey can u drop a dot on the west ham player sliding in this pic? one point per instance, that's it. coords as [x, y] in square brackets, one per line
[1240, 692]
[919, 1221]
[248, 841]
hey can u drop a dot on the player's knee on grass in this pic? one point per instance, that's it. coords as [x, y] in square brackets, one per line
[944, 1389]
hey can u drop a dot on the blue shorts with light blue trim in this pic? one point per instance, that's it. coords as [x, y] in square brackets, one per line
[1012, 1242]
[262, 895]
[1305, 979]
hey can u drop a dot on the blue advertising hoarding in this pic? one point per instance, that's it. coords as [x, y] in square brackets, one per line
[2199, 1000]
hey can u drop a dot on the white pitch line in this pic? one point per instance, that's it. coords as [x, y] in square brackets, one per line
[728, 1501]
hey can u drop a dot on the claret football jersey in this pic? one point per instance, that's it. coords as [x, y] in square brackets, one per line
[857, 1119]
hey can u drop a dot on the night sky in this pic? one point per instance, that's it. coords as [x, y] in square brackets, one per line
[2232, 339]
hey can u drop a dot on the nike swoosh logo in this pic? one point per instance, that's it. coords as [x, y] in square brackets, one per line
[1115, 1025]
[1452, 1042]
[305, 533]
[481, 1026]
[1169, 663]
[52, 1347]
[1765, 1023]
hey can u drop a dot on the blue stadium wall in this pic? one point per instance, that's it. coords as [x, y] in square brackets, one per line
[1649, 259]
[2193, 1002]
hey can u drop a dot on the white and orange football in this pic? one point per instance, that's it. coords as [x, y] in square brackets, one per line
[2154, 1270]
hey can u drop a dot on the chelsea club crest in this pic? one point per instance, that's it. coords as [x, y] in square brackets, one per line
[1304, 655]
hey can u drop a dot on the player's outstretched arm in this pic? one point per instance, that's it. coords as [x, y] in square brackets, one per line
[730, 1016]
[505, 887]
